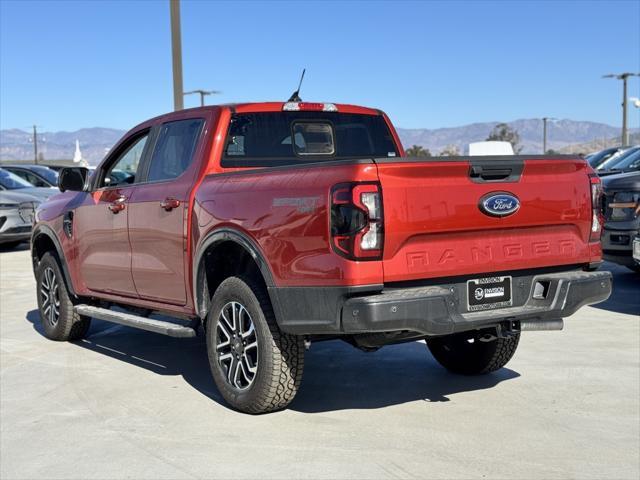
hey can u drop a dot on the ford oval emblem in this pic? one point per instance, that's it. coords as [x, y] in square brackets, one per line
[499, 204]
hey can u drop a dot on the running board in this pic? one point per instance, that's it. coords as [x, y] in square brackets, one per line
[135, 321]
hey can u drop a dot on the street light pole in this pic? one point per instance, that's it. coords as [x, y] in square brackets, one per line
[202, 94]
[623, 77]
[625, 133]
[544, 133]
[35, 145]
[176, 54]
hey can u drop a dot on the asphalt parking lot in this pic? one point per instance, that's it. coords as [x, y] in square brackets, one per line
[130, 404]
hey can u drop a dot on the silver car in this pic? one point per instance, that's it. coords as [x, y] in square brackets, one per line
[13, 183]
[17, 211]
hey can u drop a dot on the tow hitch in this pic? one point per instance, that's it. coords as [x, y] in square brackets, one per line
[510, 328]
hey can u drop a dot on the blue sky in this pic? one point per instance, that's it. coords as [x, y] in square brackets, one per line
[68, 65]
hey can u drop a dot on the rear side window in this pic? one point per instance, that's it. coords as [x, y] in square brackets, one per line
[175, 149]
[286, 138]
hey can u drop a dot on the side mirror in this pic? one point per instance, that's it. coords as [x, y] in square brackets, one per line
[75, 179]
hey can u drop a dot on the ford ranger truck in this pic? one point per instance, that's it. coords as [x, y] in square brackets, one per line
[268, 226]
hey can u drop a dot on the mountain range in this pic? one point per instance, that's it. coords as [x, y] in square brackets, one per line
[560, 134]
[563, 135]
[94, 143]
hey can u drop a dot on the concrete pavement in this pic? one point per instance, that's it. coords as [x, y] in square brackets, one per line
[130, 404]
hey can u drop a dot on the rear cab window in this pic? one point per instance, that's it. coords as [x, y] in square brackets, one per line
[289, 138]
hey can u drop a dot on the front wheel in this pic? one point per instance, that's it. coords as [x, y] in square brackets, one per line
[465, 354]
[256, 367]
[59, 320]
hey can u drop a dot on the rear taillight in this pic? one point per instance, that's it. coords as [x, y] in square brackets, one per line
[597, 218]
[357, 221]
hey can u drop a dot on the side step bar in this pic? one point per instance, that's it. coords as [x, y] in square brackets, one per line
[135, 321]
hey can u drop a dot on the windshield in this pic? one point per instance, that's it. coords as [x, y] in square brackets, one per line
[11, 181]
[287, 138]
[614, 159]
[49, 175]
[598, 158]
[629, 162]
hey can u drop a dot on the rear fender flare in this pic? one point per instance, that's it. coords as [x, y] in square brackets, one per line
[200, 292]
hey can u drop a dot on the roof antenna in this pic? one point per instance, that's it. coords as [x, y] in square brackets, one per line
[295, 97]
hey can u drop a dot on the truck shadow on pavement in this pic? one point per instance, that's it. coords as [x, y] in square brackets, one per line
[336, 376]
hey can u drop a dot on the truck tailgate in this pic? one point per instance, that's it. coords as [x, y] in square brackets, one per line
[435, 227]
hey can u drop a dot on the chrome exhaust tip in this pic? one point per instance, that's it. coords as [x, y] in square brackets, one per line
[541, 325]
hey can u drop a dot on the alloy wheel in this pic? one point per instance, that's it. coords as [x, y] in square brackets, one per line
[237, 345]
[49, 291]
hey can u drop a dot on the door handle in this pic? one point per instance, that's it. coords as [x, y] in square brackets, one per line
[170, 203]
[117, 205]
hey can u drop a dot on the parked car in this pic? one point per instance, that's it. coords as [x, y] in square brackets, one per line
[277, 224]
[598, 158]
[17, 212]
[630, 163]
[610, 166]
[636, 251]
[622, 217]
[36, 175]
[11, 181]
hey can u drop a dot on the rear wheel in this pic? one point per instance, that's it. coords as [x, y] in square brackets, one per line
[463, 353]
[256, 367]
[59, 320]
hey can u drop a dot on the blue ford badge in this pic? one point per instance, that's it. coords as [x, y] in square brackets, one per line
[499, 204]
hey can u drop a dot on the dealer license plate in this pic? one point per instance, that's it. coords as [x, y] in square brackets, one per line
[488, 293]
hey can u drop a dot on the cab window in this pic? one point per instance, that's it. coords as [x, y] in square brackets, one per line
[175, 149]
[124, 169]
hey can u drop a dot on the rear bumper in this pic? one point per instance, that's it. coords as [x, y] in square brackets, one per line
[15, 234]
[437, 310]
[441, 310]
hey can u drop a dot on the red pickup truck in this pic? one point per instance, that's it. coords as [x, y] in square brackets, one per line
[272, 225]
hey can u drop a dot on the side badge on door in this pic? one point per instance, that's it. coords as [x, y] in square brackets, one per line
[499, 204]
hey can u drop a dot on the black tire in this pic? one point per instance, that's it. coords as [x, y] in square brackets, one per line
[275, 362]
[458, 355]
[50, 284]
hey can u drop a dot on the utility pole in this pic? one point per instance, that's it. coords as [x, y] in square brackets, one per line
[544, 133]
[35, 145]
[202, 94]
[623, 77]
[176, 54]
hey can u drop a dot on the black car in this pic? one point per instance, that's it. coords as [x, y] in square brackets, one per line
[598, 158]
[36, 175]
[622, 217]
[614, 163]
[629, 163]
